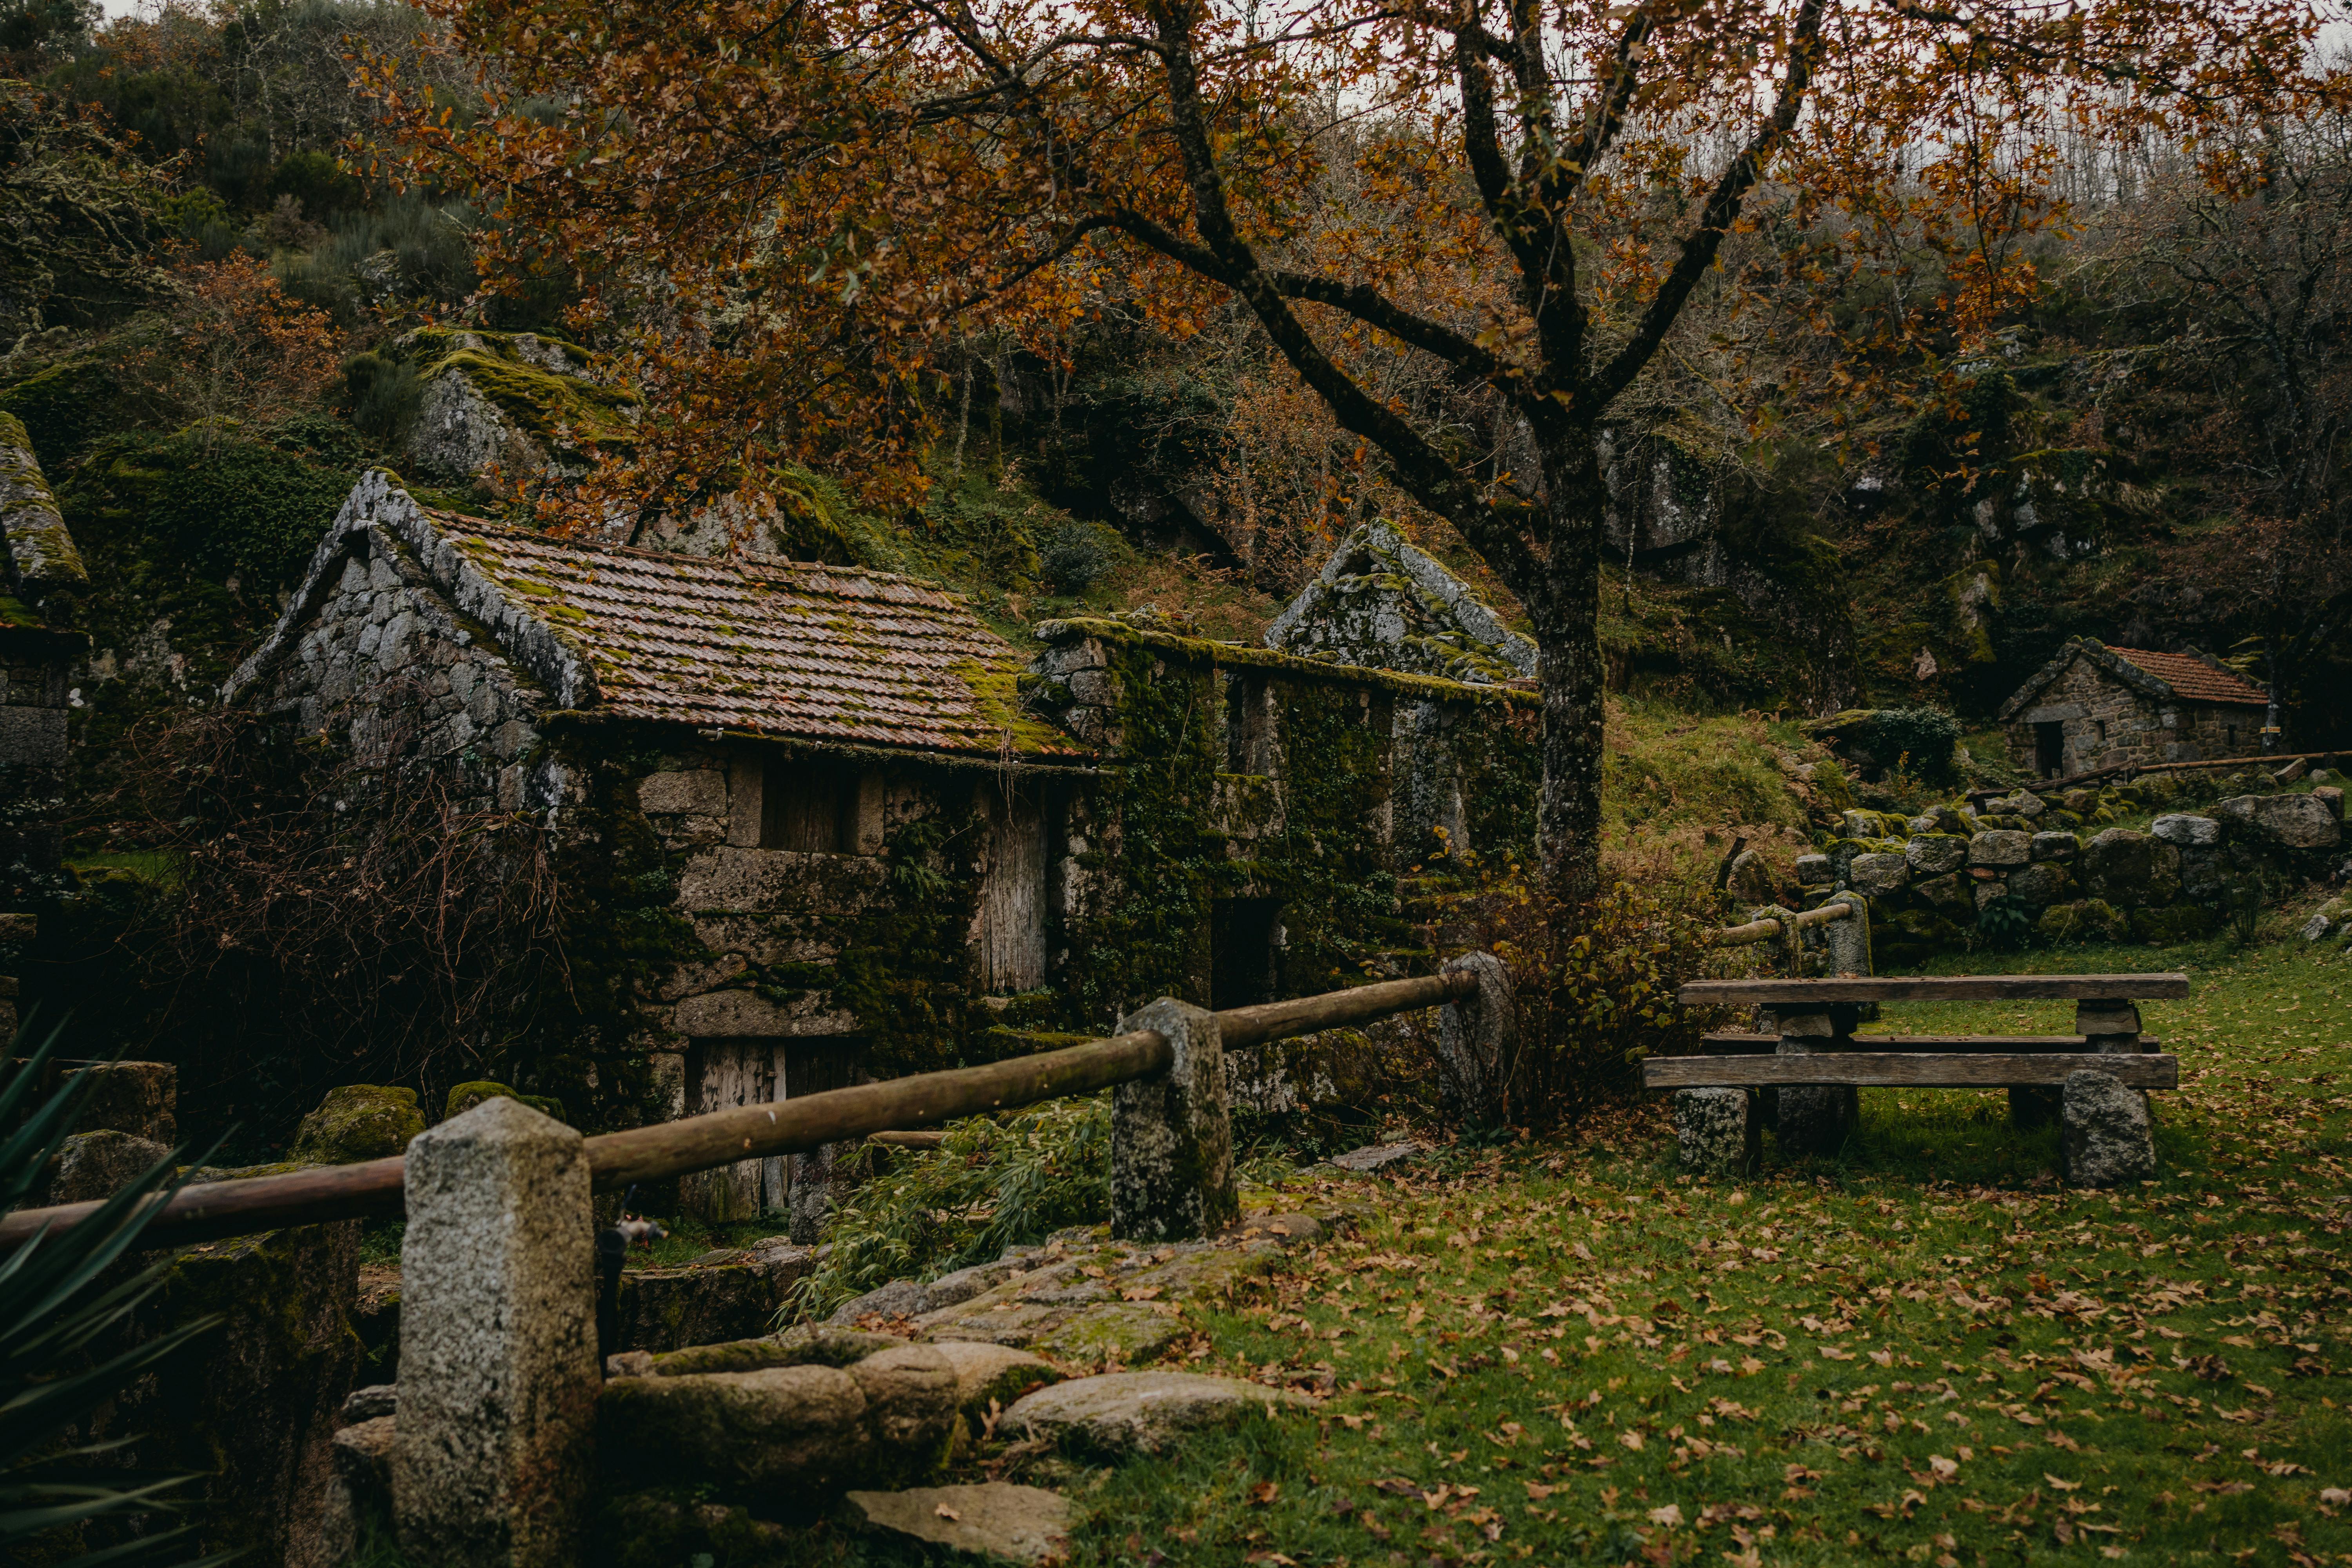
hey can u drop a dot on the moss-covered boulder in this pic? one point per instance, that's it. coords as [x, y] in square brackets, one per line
[465, 1096]
[781, 1433]
[2084, 920]
[358, 1122]
[808, 1345]
[666, 1526]
[2177, 924]
[523, 401]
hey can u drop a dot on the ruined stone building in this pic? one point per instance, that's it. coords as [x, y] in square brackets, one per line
[2097, 707]
[40, 573]
[872, 836]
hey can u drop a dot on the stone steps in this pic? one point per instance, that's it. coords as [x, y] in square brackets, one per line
[721, 1448]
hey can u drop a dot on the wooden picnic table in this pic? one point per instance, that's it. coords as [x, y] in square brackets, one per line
[1802, 1070]
[1809, 1039]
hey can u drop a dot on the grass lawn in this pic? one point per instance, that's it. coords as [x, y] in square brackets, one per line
[1923, 1350]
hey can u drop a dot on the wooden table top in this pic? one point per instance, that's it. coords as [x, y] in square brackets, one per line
[1939, 988]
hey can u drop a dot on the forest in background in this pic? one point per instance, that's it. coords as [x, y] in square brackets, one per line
[209, 272]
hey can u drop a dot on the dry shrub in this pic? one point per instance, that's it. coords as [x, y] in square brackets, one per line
[1595, 988]
[311, 922]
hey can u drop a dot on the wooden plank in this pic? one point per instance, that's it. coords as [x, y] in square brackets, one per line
[1731, 1044]
[1904, 1069]
[1936, 988]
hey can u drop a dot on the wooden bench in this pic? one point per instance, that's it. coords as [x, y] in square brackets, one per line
[1813, 1062]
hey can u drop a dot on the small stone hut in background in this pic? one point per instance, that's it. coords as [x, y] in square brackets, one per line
[861, 834]
[2096, 707]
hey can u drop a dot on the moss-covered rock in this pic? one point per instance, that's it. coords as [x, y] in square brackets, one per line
[358, 1122]
[809, 1345]
[1126, 1333]
[464, 1097]
[782, 1434]
[665, 1527]
[2084, 919]
[2175, 923]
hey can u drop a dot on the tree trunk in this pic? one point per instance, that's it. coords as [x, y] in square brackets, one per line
[1567, 616]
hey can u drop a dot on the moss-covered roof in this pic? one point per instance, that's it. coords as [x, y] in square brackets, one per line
[763, 646]
[1231, 655]
[41, 553]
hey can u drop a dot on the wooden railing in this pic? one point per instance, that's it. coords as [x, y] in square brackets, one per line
[619, 1160]
[1766, 929]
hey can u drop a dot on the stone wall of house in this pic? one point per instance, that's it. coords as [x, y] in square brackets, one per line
[386, 667]
[789, 957]
[2068, 871]
[2107, 724]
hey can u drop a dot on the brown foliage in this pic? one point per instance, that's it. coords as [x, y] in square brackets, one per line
[785, 205]
[241, 348]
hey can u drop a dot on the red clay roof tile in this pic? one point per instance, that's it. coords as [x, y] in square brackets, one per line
[2192, 679]
[780, 647]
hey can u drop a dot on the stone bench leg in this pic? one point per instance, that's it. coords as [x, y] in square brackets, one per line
[1814, 1118]
[2108, 1135]
[1718, 1132]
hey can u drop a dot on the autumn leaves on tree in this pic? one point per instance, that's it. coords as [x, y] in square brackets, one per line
[790, 211]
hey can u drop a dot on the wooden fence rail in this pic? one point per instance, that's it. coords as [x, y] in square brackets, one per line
[618, 1160]
[1766, 929]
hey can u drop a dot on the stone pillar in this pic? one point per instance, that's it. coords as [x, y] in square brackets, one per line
[1718, 1131]
[498, 1375]
[1171, 1142]
[1815, 1118]
[1478, 1043]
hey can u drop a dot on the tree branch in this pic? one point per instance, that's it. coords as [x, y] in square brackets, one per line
[1701, 247]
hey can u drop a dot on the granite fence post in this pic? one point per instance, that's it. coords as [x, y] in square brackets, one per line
[1172, 1141]
[1848, 940]
[1478, 1043]
[493, 1457]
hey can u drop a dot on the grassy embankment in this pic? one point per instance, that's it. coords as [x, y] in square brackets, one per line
[1922, 1351]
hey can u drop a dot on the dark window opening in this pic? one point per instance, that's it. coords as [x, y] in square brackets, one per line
[2050, 749]
[2232, 731]
[1249, 726]
[810, 804]
[1244, 962]
[2102, 732]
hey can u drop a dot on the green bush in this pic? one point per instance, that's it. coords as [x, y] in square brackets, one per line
[1595, 992]
[258, 506]
[991, 1184]
[2005, 923]
[1077, 555]
[382, 395]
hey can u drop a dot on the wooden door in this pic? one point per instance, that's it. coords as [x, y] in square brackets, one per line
[1011, 936]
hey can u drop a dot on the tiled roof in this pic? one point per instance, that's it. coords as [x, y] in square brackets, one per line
[780, 647]
[2192, 679]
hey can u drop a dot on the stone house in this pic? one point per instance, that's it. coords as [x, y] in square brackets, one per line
[2096, 707]
[40, 574]
[857, 832]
